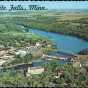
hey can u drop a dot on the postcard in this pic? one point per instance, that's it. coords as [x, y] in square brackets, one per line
[44, 44]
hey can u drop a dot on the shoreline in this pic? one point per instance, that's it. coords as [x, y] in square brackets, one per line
[71, 35]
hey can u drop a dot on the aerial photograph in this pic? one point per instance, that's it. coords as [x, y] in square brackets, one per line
[44, 44]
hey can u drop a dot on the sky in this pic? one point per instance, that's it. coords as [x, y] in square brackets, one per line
[50, 5]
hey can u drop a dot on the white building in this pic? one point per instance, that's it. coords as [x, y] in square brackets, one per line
[35, 70]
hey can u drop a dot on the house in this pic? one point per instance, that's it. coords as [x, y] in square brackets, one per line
[29, 47]
[35, 70]
[59, 73]
[37, 44]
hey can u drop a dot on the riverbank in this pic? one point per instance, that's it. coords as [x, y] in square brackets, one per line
[73, 24]
[64, 43]
[60, 24]
[65, 23]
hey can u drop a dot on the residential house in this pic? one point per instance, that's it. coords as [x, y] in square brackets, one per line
[59, 73]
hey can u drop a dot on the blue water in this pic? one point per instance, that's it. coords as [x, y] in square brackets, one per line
[64, 43]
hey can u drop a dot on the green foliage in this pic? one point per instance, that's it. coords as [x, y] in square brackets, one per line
[12, 34]
[27, 58]
[17, 39]
[75, 24]
[64, 24]
[12, 79]
[72, 77]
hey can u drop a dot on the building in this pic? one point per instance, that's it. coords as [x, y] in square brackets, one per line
[59, 73]
[26, 69]
[35, 70]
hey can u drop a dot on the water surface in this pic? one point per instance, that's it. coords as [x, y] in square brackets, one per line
[64, 43]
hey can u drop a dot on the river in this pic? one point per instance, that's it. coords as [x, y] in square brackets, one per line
[64, 43]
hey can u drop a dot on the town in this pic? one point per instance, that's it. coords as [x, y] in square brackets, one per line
[43, 48]
[7, 55]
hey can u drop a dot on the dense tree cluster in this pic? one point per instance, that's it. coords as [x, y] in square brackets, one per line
[15, 39]
[72, 77]
[59, 24]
